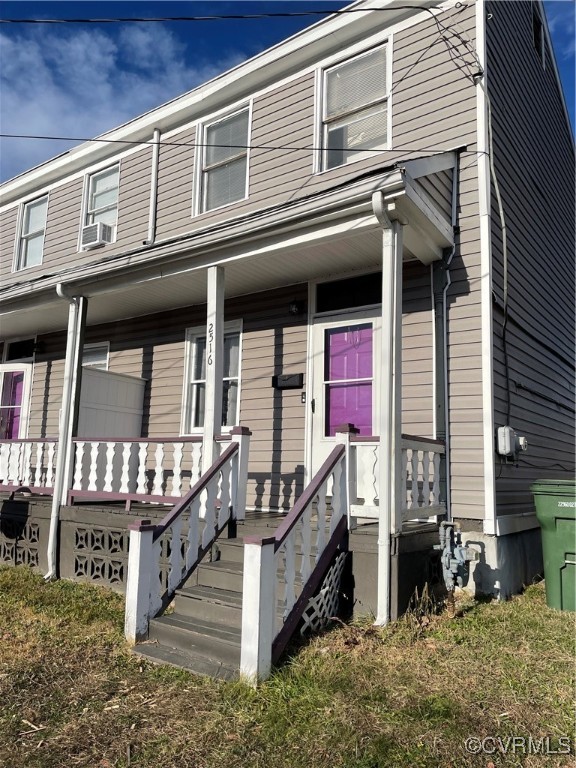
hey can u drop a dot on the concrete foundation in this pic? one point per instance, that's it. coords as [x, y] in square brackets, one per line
[505, 564]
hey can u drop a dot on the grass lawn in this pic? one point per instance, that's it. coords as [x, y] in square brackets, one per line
[357, 697]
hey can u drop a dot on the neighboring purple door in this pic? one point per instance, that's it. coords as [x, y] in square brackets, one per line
[11, 404]
[348, 372]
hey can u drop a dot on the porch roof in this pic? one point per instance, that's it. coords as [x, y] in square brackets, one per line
[321, 236]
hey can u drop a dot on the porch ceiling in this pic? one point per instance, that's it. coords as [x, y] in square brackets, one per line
[271, 268]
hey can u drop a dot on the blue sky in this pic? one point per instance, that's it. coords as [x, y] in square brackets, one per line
[83, 79]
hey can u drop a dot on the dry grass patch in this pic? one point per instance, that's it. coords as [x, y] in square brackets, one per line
[356, 697]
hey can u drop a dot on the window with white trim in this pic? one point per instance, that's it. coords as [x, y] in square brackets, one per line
[102, 197]
[225, 161]
[33, 228]
[355, 108]
[195, 378]
[95, 356]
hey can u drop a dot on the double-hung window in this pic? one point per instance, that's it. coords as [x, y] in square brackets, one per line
[96, 356]
[102, 200]
[355, 108]
[195, 378]
[225, 161]
[31, 241]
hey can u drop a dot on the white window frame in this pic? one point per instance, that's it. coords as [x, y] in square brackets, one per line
[86, 211]
[27, 369]
[103, 345]
[322, 123]
[21, 236]
[199, 207]
[192, 335]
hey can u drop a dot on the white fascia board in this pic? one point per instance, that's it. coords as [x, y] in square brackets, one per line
[242, 81]
[425, 166]
[506, 524]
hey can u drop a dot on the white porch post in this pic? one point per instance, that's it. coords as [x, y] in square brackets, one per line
[68, 416]
[390, 401]
[258, 608]
[214, 365]
[139, 579]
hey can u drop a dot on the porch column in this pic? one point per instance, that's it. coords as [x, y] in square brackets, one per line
[68, 417]
[214, 365]
[390, 402]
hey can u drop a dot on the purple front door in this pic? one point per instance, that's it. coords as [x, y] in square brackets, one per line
[348, 375]
[11, 404]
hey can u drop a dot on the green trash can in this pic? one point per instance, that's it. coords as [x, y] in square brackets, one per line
[556, 512]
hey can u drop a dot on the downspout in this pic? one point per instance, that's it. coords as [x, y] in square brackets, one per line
[76, 316]
[391, 284]
[441, 283]
[153, 189]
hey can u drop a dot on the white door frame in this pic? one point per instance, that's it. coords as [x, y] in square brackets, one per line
[26, 368]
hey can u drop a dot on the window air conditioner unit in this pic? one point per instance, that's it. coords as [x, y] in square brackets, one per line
[97, 234]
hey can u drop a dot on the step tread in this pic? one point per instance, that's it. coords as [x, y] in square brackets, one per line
[221, 632]
[230, 566]
[198, 663]
[212, 595]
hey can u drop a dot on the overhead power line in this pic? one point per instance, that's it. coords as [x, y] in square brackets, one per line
[221, 17]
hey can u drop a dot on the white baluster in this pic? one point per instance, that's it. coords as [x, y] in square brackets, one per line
[15, 463]
[196, 468]
[109, 474]
[436, 481]
[142, 486]
[159, 471]
[415, 493]
[125, 475]
[224, 494]
[38, 468]
[289, 573]
[208, 512]
[4, 461]
[27, 473]
[155, 583]
[177, 473]
[175, 572]
[425, 478]
[193, 539]
[50, 462]
[93, 475]
[321, 535]
[336, 497]
[78, 465]
[404, 465]
[306, 532]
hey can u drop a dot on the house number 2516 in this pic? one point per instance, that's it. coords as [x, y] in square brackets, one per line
[210, 342]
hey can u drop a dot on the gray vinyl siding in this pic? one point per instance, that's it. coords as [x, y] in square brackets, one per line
[8, 222]
[534, 158]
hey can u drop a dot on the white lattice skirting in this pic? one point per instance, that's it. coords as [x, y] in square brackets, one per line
[324, 606]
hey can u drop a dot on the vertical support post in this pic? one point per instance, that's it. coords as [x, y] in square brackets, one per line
[343, 434]
[68, 418]
[258, 608]
[214, 364]
[390, 392]
[140, 573]
[240, 435]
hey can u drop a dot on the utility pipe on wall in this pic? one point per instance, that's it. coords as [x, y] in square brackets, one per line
[153, 188]
[68, 416]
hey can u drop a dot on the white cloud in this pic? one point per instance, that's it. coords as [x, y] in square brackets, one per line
[82, 83]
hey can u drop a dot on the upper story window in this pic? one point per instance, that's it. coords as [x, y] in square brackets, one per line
[102, 204]
[31, 240]
[225, 161]
[355, 108]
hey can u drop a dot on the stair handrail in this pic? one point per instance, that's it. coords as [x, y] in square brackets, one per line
[217, 499]
[261, 643]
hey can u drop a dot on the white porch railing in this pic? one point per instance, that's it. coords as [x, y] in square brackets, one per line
[421, 476]
[282, 572]
[28, 463]
[184, 536]
[145, 469]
